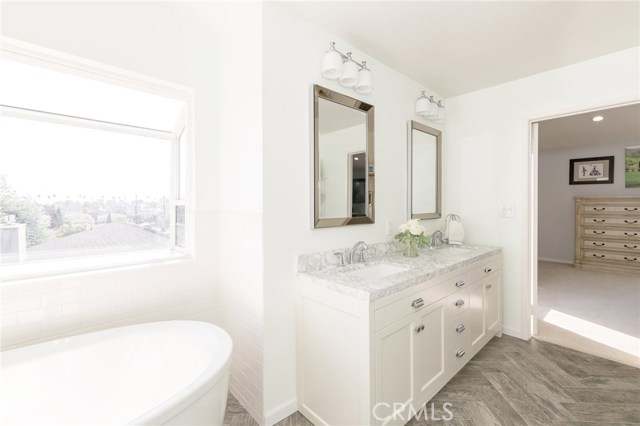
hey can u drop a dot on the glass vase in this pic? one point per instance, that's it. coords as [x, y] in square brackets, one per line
[411, 250]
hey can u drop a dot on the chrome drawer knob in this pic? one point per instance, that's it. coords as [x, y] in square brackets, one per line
[418, 303]
[460, 283]
[460, 328]
[460, 303]
[487, 270]
[460, 353]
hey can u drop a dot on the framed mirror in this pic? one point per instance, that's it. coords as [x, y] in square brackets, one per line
[343, 160]
[424, 171]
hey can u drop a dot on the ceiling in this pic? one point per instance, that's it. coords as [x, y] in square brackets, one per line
[620, 126]
[456, 47]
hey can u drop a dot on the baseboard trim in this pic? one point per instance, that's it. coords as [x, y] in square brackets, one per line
[281, 412]
[513, 332]
[546, 259]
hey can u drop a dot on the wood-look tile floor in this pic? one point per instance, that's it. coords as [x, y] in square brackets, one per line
[511, 382]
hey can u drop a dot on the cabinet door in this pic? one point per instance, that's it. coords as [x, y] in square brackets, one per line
[430, 350]
[394, 367]
[492, 303]
[476, 315]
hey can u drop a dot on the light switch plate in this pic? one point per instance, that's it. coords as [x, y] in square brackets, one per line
[508, 211]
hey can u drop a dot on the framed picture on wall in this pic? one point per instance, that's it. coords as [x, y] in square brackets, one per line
[632, 166]
[584, 171]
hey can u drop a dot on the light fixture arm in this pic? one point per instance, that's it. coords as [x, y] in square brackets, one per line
[348, 57]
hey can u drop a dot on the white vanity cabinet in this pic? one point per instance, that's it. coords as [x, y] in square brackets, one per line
[371, 362]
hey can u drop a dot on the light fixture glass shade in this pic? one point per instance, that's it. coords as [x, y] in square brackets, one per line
[365, 81]
[331, 65]
[423, 105]
[349, 77]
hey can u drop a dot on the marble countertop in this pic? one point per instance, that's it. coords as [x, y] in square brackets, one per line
[429, 264]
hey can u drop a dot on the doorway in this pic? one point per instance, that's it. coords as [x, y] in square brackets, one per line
[591, 311]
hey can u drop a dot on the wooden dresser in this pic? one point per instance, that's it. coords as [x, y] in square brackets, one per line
[608, 233]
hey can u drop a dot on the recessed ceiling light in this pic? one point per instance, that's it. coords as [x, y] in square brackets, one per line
[356, 158]
[598, 118]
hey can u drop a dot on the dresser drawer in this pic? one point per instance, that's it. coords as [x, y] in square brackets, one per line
[628, 221]
[393, 312]
[630, 247]
[600, 232]
[456, 303]
[607, 255]
[610, 209]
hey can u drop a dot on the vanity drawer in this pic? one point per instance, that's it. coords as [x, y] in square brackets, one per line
[456, 333]
[484, 268]
[458, 282]
[455, 358]
[393, 312]
[456, 303]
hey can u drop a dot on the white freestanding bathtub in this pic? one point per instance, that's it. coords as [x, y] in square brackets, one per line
[162, 373]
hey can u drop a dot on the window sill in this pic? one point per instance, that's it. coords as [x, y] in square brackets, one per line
[19, 273]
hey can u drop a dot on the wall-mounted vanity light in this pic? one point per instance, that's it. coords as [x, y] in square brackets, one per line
[429, 108]
[348, 72]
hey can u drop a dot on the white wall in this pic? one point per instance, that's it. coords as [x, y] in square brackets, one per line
[487, 142]
[293, 50]
[556, 206]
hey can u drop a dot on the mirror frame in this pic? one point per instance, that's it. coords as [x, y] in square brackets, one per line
[414, 125]
[320, 92]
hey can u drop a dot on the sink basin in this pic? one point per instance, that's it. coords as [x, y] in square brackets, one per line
[378, 270]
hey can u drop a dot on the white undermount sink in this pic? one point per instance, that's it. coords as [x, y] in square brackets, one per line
[378, 270]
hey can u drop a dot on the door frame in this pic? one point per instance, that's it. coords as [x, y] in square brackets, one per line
[530, 194]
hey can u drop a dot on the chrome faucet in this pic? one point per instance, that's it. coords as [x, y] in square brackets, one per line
[354, 250]
[436, 239]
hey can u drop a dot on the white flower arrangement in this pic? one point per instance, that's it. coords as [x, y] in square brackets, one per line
[412, 233]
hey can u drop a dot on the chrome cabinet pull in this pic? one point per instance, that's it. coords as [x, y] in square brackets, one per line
[635, 209]
[488, 286]
[460, 283]
[599, 220]
[630, 259]
[598, 255]
[630, 234]
[460, 353]
[629, 246]
[419, 328]
[460, 328]
[487, 270]
[630, 221]
[418, 303]
[598, 244]
[460, 303]
[599, 232]
[599, 209]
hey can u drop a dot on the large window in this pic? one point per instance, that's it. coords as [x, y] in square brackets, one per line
[91, 172]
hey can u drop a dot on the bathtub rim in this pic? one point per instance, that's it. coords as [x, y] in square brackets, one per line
[208, 378]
